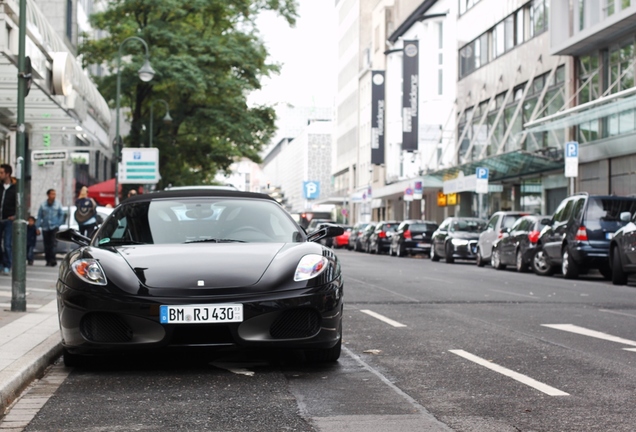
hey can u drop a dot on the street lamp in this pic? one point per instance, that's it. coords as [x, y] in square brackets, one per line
[166, 119]
[146, 73]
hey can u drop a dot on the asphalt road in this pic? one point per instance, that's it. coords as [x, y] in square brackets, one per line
[427, 346]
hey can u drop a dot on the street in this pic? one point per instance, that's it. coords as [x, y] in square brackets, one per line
[427, 346]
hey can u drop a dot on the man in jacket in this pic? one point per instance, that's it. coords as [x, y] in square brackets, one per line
[7, 215]
[50, 217]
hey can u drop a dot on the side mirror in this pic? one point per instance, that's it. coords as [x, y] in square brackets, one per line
[546, 221]
[71, 235]
[625, 217]
[325, 231]
[505, 230]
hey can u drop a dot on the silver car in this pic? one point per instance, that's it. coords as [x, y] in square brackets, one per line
[495, 229]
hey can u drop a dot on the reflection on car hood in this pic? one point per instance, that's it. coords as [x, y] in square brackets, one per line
[465, 235]
[218, 265]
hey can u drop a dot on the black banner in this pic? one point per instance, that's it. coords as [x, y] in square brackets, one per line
[410, 91]
[377, 117]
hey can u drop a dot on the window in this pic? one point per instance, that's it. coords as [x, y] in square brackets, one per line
[520, 35]
[539, 17]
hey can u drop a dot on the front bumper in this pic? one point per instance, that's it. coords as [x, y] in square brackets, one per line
[98, 323]
[465, 251]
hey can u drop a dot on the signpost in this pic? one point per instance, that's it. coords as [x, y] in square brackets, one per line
[571, 162]
[139, 165]
[481, 186]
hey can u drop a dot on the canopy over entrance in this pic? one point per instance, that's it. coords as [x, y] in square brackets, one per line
[103, 193]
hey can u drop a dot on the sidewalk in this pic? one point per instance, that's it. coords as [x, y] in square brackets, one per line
[29, 341]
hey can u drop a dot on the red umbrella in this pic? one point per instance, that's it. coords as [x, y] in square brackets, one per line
[103, 193]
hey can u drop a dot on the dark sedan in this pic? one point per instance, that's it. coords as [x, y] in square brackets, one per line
[518, 243]
[412, 236]
[380, 239]
[623, 250]
[364, 237]
[456, 238]
[356, 236]
[214, 269]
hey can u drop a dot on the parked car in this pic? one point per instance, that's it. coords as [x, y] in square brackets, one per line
[364, 237]
[622, 256]
[380, 239]
[187, 269]
[342, 241]
[412, 236]
[517, 245]
[577, 237]
[497, 224]
[355, 236]
[70, 222]
[456, 238]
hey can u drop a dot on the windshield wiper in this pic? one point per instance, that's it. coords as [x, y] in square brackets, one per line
[120, 242]
[215, 240]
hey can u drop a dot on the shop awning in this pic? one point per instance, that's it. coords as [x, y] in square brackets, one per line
[104, 193]
[504, 166]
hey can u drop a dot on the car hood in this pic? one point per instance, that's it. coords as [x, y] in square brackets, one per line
[465, 235]
[210, 265]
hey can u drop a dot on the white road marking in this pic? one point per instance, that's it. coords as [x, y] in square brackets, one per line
[630, 349]
[591, 333]
[514, 294]
[382, 318]
[383, 289]
[551, 391]
[618, 313]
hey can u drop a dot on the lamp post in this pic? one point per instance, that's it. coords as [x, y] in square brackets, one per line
[146, 73]
[166, 119]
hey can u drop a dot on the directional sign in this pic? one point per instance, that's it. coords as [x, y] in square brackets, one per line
[139, 165]
[311, 189]
[48, 155]
[572, 159]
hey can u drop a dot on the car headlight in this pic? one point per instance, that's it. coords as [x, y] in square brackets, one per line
[89, 271]
[309, 267]
[459, 242]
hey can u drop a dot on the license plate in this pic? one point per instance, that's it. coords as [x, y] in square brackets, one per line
[196, 314]
[422, 245]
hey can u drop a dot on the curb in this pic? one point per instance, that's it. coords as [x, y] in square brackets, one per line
[28, 368]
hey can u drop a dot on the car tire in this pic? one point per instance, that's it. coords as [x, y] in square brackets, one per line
[479, 260]
[540, 264]
[448, 252]
[400, 253]
[327, 355]
[619, 277]
[519, 264]
[433, 256]
[569, 269]
[73, 360]
[495, 260]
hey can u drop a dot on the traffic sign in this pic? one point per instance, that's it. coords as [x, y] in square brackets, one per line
[408, 194]
[139, 165]
[311, 189]
[48, 155]
[571, 159]
[481, 180]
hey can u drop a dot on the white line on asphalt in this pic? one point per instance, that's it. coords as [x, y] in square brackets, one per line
[382, 318]
[591, 333]
[397, 390]
[514, 294]
[524, 379]
[630, 349]
[383, 289]
[618, 313]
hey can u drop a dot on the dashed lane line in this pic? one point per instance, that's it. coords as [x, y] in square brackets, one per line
[524, 379]
[618, 313]
[592, 333]
[383, 289]
[382, 318]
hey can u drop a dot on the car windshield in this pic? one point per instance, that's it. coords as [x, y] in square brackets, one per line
[468, 225]
[197, 220]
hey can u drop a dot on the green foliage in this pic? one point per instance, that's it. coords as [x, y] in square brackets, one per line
[208, 57]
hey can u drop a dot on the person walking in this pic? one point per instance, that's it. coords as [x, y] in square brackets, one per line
[32, 237]
[7, 215]
[50, 217]
[86, 212]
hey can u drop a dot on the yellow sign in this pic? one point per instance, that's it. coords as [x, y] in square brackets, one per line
[451, 199]
[441, 199]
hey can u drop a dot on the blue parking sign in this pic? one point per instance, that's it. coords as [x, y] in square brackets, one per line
[482, 173]
[572, 149]
[311, 189]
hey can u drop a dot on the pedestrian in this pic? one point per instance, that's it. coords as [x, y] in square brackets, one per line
[7, 215]
[86, 212]
[50, 217]
[32, 236]
[131, 193]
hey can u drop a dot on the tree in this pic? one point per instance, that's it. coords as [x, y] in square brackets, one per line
[208, 57]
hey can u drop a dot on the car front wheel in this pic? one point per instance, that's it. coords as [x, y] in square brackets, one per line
[619, 277]
[521, 266]
[433, 255]
[448, 251]
[569, 268]
[495, 259]
[480, 260]
[540, 264]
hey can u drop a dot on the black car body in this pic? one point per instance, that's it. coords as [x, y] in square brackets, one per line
[623, 250]
[215, 269]
[456, 238]
[517, 245]
[356, 236]
[411, 237]
[498, 223]
[577, 237]
[380, 239]
[366, 234]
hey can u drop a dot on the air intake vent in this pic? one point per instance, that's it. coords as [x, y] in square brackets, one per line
[296, 323]
[105, 328]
